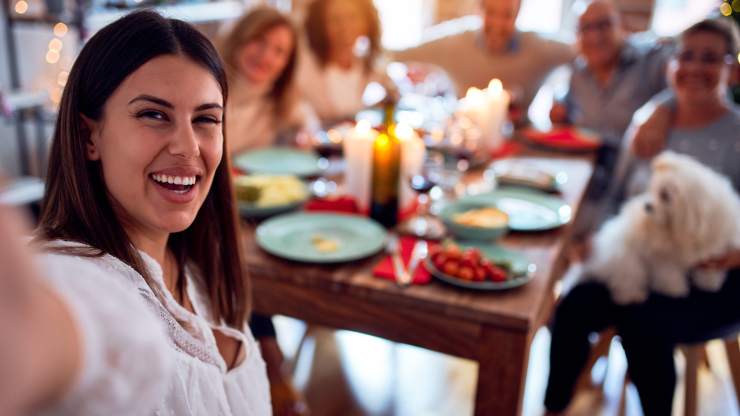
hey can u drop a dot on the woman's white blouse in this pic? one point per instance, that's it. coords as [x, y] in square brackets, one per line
[146, 355]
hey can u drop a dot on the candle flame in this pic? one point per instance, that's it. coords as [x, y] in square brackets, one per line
[363, 127]
[495, 87]
[404, 131]
[474, 94]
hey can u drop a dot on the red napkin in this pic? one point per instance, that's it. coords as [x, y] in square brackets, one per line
[344, 204]
[384, 269]
[508, 149]
[564, 138]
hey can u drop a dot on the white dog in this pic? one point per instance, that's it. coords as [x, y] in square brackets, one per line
[688, 215]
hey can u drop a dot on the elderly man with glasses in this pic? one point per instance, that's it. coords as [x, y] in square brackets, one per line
[612, 77]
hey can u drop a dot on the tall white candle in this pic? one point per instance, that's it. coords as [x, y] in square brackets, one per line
[498, 109]
[413, 153]
[488, 110]
[358, 151]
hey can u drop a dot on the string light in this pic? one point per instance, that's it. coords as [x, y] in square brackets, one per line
[60, 29]
[21, 7]
[738, 58]
[55, 95]
[55, 45]
[62, 78]
[52, 56]
[725, 9]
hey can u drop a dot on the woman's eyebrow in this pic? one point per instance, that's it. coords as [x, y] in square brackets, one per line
[208, 106]
[152, 99]
[165, 103]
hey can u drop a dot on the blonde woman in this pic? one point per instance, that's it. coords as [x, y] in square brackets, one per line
[341, 59]
[260, 55]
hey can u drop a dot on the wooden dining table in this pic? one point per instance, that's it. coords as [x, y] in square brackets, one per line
[493, 328]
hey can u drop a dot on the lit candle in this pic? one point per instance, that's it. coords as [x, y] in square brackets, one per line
[487, 109]
[498, 109]
[358, 151]
[412, 160]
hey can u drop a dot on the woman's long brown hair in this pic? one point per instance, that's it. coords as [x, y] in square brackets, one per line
[315, 27]
[77, 206]
[249, 27]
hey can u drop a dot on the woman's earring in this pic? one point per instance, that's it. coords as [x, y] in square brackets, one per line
[92, 152]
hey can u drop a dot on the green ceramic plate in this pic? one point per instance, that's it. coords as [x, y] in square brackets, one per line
[248, 210]
[295, 237]
[279, 161]
[528, 209]
[522, 271]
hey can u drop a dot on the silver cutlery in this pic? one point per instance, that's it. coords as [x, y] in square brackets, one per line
[420, 252]
[399, 271]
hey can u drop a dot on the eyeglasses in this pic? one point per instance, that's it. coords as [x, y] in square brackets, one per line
[596, 26]
[704, 58]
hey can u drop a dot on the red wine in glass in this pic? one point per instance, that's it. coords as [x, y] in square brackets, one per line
[421, 184]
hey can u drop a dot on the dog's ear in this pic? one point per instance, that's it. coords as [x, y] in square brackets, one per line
[666, 160]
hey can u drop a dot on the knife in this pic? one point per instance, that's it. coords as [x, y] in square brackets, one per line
[419, 253]
[399, 271]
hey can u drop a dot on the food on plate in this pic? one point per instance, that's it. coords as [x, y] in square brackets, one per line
[488, 217]
[324, 244]
[270, 190]
[468, 264]
[526, 175]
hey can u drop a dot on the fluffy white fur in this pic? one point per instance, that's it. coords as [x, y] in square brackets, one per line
[689, 214]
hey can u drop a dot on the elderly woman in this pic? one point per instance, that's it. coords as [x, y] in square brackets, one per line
[700, 121]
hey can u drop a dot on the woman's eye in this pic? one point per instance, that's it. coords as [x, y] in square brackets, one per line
[153, 115]
[208, 120]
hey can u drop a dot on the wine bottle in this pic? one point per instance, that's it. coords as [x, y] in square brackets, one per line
[386, 174]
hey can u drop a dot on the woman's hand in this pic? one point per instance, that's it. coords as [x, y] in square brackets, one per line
[38, 342]
[649, 137]
[559, 113]
[729, 260]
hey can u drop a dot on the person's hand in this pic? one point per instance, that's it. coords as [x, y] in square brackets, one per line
[559, 113]
[729, 260]
[39, 346]
[17, 278]
[580, 249]
[649, 137]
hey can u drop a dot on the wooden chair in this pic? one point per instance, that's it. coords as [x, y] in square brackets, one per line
[696, 356]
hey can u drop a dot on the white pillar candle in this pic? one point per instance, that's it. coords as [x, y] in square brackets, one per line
[498, 110]
[413, 153]
[358, 153]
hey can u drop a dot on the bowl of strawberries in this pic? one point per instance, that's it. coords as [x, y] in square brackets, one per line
[479, 266]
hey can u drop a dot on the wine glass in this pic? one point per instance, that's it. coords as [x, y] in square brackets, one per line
[422, 224]
[328, 145]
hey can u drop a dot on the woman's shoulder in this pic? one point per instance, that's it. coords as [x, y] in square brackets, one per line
[71, 259]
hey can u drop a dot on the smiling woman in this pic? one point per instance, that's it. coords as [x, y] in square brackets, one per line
[139, 191]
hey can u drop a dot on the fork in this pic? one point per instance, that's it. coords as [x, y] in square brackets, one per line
[399, 271]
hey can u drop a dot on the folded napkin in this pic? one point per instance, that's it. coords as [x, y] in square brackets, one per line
[384, 269]
[563, 137]
[508, 149]
[344, 204]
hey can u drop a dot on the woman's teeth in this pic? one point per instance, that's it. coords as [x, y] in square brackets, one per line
[174, 180]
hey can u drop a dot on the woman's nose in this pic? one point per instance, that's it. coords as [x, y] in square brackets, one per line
[184, 142]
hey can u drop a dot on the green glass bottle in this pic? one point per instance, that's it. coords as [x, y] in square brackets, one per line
[386, 174]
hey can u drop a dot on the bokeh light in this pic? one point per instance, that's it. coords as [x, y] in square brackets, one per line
[60, 29]
[21, 7]
[52, 56]
[55, 45]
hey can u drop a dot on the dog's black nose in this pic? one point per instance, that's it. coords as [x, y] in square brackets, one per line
[648, 207]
